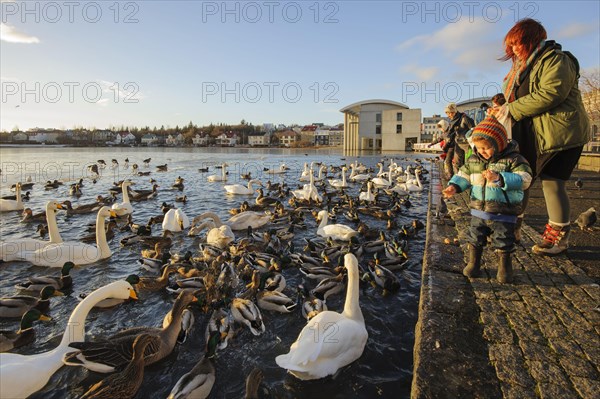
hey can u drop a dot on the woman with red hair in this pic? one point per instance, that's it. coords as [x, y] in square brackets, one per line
[550, 123]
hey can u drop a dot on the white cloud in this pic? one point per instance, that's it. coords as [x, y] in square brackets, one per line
[576, 29]
[123, 92]
[421, 72]
[11, 35]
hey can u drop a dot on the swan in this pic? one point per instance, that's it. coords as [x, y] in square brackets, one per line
[15, 249]
[412, 187]
[367, 196]
[335, 231]
[124, 208]
[23, 375]
[381, 182]
[221, 234]
[246, 219]
[355, 176]
[240, 189]
[309, 192]
[320, 177]
[223, 177]
[13, 205]
[282, 169]
[306, 172]
[330, 340]
[175, 220]
[340, 183]
[56, 254]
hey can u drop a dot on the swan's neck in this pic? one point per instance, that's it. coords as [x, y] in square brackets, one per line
[223, 172]
[52, 226]
[125, 190]
[390, 175]
[210, 215]
[75, 330]
[351, 306]
[380, 170]
[321, 173]
[18, 196]
[101, 237]
[343, 177]
[324, 221]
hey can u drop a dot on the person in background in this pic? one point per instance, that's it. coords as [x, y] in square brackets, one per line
[460, 124]
[497, 175]
[447, 151]
[550, 123]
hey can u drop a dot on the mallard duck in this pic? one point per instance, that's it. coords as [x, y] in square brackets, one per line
[383, 278]
[126, 383]
[311, 305]
[253, 383]
[18, 305]
[245, 312]
[315, 355]
[270, 300]
[55, 255]
[23, 375]
[220, 323]
[198, 382]
[328, 286]
[142, 195]
[25, 334]
[37, 283]
[157, 283]
[105, 356]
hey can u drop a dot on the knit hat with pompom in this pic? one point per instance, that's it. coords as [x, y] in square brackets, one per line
[493, 132]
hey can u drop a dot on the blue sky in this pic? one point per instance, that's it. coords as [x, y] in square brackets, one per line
[152, 63]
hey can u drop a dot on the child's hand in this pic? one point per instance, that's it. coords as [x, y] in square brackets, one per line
[449, 191]
[490, 175]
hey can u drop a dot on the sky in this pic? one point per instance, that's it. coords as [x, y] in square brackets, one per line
[103, 64]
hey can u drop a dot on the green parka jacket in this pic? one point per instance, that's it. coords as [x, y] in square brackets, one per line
[554, 103]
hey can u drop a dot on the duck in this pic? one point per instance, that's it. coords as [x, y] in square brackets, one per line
[175, 220]
[265, 201]
[270, 300]
[125, 207]
[199, 381]
[245, 312]
[25, 334]
[37, 283]
[219, 322]
[18, 305]
[238, 189]
[156, 284]
[7, 205]
[28, 216]
[142, 195]
[338, 232]
[107, 355]
[311, 305]
[222, 177]
[161, 168]
[15, 249]
[56, 254]
[23, 375]
[314, 355]
[81, 209]
[383, 278]
[75, 190]
[24, 197]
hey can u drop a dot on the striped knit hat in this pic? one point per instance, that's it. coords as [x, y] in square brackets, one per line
[493, 132]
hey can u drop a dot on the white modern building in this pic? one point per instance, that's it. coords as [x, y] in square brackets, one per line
[380, 125]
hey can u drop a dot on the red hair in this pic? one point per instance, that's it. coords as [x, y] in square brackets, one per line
[526, 32]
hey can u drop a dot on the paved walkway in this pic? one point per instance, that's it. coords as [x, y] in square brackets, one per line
[538, 337]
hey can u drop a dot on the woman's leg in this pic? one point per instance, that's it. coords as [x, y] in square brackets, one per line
[555, 239]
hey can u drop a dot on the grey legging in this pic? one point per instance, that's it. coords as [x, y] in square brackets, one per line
[557, 199]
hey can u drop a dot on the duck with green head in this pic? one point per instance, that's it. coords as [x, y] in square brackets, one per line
[18, 305]
[25, 334]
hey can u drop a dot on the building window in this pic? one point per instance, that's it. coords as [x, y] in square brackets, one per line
[399, 116]
[378, 129]
[378, 117]
[398, 129]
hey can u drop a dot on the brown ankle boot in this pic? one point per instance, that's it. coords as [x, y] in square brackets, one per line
[518, 229]
[505, 271]
[473, 268]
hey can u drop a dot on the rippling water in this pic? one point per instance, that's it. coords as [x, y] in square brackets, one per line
[385, 368]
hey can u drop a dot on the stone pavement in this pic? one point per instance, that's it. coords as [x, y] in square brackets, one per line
[538, 337]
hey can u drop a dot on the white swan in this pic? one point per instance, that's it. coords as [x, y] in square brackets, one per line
[175, 220]
[11, 250]
[12, 205]
[309, 191]
[415, 187]
[330, 340]
[335, 231]
[282, 169]
[355, 176]
[223, 177]
[320, 177]
[367, 196]
[125, 207]
[55, 255]
[240, 189]
[23, 375]
[306, 172]
[340, 183]
[246, 219]
[220, 236]
[381, 182]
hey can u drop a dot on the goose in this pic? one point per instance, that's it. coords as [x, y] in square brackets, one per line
[222, 177]
[175, 220]
[124, 208]
[12, 205]
[18, 305]
[25, 334]
[340, 183]
[314, 354]
[55, 255]
[16, 249]
[335, 231]
[238, 189]
[23, 375]
[107, 355]
[37, 283]
[199, 381]
[126, 383]
[367, 196]
[381, 182]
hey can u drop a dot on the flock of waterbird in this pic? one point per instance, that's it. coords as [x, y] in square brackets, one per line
[238, 270]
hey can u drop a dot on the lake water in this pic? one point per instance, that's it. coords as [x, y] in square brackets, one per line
[385, 368]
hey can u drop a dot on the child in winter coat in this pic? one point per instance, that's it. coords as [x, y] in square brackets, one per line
[497, 175]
